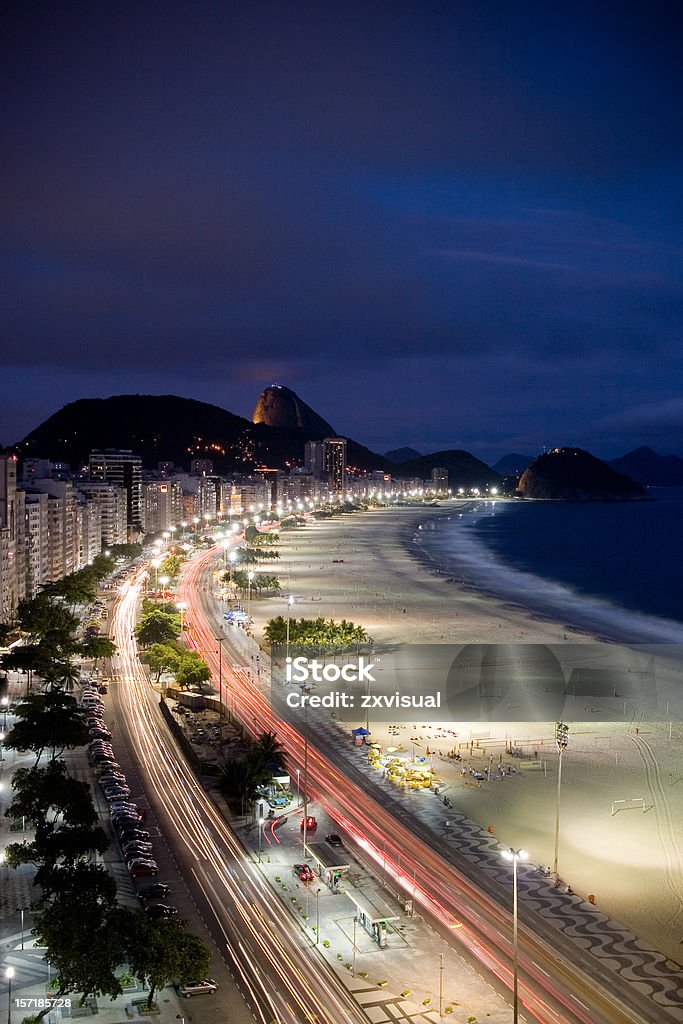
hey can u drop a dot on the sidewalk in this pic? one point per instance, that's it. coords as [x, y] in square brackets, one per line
[31, 983]
[399, 982]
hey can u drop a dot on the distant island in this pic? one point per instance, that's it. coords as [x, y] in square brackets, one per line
[571, 474]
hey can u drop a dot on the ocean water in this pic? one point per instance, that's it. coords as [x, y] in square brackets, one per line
[614, 569]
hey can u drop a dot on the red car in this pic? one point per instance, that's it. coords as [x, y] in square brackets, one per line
[304, 871]
[309, 823]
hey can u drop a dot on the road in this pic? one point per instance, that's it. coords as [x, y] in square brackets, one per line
[559, 982]
[281, 977]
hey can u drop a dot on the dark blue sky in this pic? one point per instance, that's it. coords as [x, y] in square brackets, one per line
[451, 224]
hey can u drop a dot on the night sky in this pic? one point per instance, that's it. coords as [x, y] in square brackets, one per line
[447, 225]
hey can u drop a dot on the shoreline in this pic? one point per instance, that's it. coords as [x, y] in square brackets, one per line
[329, 567]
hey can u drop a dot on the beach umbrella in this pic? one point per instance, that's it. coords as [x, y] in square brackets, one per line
[361, 731]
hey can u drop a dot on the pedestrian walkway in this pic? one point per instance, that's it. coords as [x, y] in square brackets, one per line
[401, 982]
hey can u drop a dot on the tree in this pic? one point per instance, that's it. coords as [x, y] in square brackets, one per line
[47, 721]
[170, 566]
[269, 748]
[126, 552]
[240, 780]
[98, 647]
[266, 553]
[62, 811]
[255, 538]
[245, 556]
[192, 670]
[163, 658]
[86, 942]
[156, 628]
[41, 617]
[260, 581]
[317, 633]
[39, 791]
[164, 951]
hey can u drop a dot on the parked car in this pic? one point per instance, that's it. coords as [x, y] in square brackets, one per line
[333, 839]
[100, 734]
[154, 892]
[197, 988]
[116, 795]
[126, 815]
[160, 910]
[141, 868]
[137, 849]
[122, 805]
[129, 835]
[304, 872]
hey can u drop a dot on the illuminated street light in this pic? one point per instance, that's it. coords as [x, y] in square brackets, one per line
[561, 741]
[182, 608]
[9, 974]
[515, 856]
[156, 564]
[260, 831]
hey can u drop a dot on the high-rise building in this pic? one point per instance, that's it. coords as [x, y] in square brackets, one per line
[163, 504]
[9, 553]
[123, 468]
[62, 527]
[314, 459]
[36, 541]
[334, 462]
[439, 479]
[111, 501]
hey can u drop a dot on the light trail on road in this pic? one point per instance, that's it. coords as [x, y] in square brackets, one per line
[552, 988]
[283, 979]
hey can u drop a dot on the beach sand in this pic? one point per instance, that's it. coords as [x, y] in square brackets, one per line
[363, 568]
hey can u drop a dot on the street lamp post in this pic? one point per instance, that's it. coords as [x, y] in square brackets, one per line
[515, 856]
[260, 830]
[290, 602]
[305, 828]
[250, 577]
[298, 788]
[440, 986]
[182, 608]
[219, 640]
[156, 564]
[317, 916]
[4, 702]
[561, 741]
[9, 974]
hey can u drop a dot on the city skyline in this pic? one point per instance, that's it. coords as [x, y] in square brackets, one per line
[443, 228]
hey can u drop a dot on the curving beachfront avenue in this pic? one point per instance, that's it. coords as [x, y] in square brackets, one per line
[282, 979]
[556, 987]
